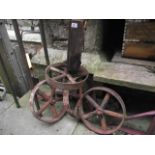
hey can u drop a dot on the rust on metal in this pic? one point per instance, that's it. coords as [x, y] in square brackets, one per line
[101, 111]
[151, 128]
[66, 81]
[66, 97]
[132, 131]
[105, 100]
[63, 79]
[60, 83]
[64, 89]
[144, 114]
[49, 105]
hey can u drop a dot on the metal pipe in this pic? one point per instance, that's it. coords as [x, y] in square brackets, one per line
[10, 84]
[22, 50]
[144, 114]
[43, 38]
[151, 129]
[135, 116]
[132, 131]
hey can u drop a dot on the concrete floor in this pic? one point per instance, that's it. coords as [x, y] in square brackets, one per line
[20, 121]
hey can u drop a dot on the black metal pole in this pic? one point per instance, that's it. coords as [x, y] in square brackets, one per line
[43, 38]
[21, 47]
[10, 84]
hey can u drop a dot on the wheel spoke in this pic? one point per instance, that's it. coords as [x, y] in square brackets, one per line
[52, 93]
[43, 95]
[66, 97]
[92, 101]
[58, 99]
[59, 77]
[113, 114]
[53, 110]
[90, 114]
[82, 75]
[71, 78]
[37, 103]
[76, 78]
[56, 70]
[105, 100]
[43, 107]
[103, 123]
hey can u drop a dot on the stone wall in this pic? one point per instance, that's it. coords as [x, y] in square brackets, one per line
[57, 34]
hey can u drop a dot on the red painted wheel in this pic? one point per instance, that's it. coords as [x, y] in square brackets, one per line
[106, 112]
[57, 76]
[45, 104]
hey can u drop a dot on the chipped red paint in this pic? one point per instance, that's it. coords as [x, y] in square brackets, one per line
[69, 82]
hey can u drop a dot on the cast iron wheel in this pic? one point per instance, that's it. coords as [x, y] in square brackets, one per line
[57, 76]
[47, 107]
[100, 119]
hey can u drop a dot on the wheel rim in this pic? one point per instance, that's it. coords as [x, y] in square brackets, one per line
[100, 111]
[62, 79]
[46, 107]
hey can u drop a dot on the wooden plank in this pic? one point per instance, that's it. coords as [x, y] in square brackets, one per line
[144, 31]
[119, 59]
[131, 76]
[139, 50]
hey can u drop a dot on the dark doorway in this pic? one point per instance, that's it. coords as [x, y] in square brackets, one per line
[113, 30]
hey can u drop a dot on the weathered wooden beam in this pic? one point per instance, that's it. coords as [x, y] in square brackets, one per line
[139, 50]
[13, 92]
[13, 62]
[22, 56]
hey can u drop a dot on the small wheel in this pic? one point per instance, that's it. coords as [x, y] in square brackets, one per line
[107, 112]
[57, 76]
[45, 106]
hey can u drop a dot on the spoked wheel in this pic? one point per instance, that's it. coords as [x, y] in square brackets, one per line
[107, 112]
[57, 75]
[45, 104]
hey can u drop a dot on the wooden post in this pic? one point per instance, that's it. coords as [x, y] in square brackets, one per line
[75, 45]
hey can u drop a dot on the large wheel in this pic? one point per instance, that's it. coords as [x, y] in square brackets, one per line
[102, 110]
[57, 76]
[45, 104]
